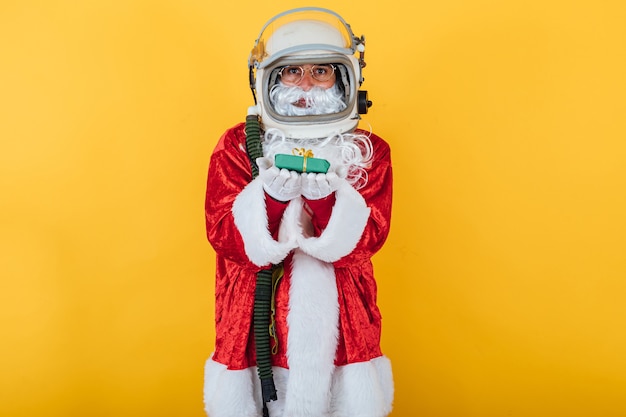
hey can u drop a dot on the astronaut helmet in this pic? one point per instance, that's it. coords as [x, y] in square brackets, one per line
[300, 42]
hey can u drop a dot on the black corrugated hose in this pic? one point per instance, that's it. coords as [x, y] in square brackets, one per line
[263, 292]
[253, 142]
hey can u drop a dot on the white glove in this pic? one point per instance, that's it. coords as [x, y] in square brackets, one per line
[281, 185]
[318, 186]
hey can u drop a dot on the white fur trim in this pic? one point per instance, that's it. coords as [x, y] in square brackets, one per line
[281, 376]
[338, 239]
[229, 393]
[345, 227]
[312, 341]
[363, 389]
[250, 216]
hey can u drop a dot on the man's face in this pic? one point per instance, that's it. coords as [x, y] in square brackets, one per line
[307, 89]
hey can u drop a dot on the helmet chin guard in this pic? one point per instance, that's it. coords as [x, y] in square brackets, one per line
[308, 35]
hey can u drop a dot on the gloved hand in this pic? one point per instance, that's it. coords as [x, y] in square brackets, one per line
[281, 185]
[318, 186]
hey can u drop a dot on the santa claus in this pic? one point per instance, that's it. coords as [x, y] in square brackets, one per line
[298, 201]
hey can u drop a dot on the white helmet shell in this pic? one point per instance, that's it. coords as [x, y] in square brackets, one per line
[307, 36]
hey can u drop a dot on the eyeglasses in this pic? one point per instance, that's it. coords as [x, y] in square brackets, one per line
[293, 74]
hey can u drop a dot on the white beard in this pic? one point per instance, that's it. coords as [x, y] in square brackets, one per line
[317, 100]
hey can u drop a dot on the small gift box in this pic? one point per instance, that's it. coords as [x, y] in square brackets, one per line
[302, 161]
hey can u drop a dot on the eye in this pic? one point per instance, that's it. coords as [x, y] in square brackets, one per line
[292, 71]
[321, 69]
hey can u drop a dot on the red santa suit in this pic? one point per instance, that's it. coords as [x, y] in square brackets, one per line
[328, 360]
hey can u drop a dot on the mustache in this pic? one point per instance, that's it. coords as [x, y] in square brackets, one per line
[294, 101]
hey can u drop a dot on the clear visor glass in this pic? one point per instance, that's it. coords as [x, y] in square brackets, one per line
[308, 89]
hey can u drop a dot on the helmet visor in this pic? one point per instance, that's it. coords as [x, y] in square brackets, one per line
[297, 91]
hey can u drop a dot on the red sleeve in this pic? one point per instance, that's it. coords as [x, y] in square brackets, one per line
[229, 173]
[378, 196]
[320, 211]
[275, 210]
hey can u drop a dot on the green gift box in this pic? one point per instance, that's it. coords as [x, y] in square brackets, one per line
[301, 163]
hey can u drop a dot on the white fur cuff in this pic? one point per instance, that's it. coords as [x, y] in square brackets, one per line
[345, 227]
[250, 216]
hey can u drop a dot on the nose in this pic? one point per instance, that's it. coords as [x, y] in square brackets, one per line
[307, 81]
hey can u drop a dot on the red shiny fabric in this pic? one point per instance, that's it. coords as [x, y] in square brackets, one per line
[359, 317]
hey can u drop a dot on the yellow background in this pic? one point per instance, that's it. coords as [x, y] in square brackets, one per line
[503, 281]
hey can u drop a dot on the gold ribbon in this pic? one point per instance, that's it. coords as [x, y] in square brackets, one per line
[304, 153]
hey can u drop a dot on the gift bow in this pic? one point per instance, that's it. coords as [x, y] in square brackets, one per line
[304, 153]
